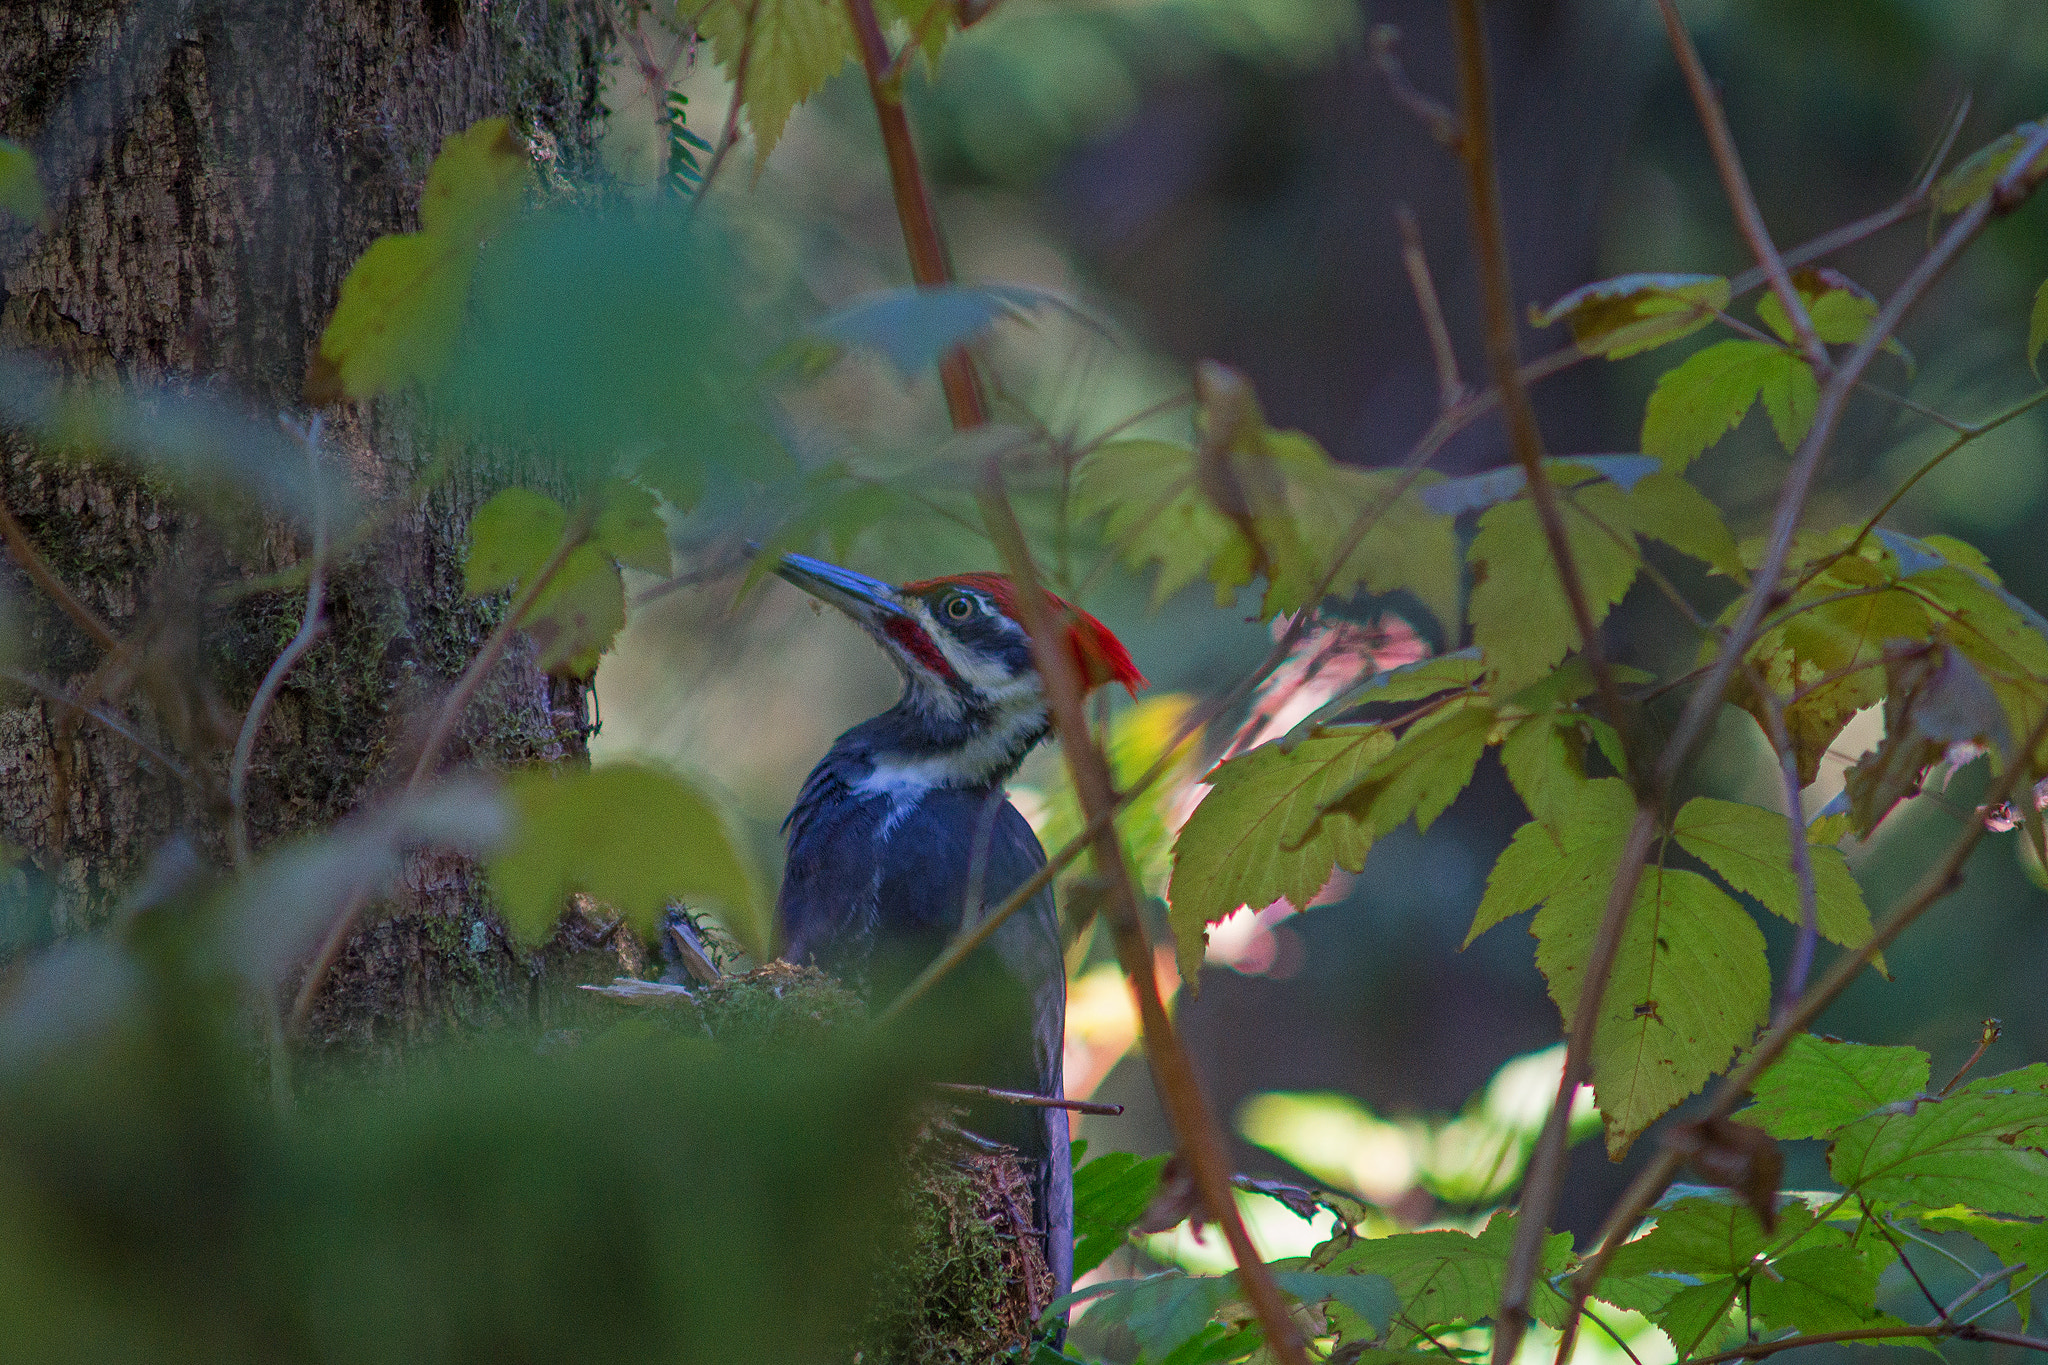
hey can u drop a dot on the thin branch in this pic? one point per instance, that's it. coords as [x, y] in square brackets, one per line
[2003, 1299]
[1984, 1282]
[1199, 1138]
[1803, 947]
[1449, 387]
[1884, 1230]
[1029, 1100]
[310, 629]
[446, 719]
[1992, 1029]
[691, 579]
[1735, 183]
[24, 552]
[1757, 1350]
[1430, 112]
[54, 693]
[1613, 1336]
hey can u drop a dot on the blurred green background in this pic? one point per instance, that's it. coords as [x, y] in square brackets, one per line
[1219, 178]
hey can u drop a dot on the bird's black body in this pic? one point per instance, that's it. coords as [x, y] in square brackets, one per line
[879, 880]
[903, 836]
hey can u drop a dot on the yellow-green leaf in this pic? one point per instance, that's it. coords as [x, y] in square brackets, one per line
[1751, 849]
[1702, 400]
[578, 614]
[1665, 507]
[21, 189]
[632, 836]
[794, 47]
[1974, 176]
[510, 537]
[1233, 850]
[2037, 329]
[402, 303]
[1632, 313]
[1420, 776]
[1520, 616]
[629, 528]
[1582, 843]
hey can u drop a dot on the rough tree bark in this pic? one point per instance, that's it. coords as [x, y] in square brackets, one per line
[214, 168]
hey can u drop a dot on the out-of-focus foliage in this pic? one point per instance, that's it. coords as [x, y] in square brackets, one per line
[21, 188]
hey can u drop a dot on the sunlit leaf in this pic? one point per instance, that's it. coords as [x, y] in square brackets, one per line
[1520, 616]
[510, 538]
[1749, 847]
[1232, 852]
[1419, 777]
[1578, 847]
[1446, 1277]
[1821, 1084]
[1979, 1147]
[1702, 400]
[1110, 1193]
[2014, 1242]
[1545, 759]
[1138, 738]
[1632, 313]
[21, 189]
[402, 303]
[631, 836]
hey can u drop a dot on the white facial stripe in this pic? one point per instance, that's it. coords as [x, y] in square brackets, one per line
[904, 779]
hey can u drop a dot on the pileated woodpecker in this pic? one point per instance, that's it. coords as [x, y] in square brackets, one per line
[903, 833]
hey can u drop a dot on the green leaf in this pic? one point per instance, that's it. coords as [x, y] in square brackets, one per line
[1582, 844]
[629, 528]
[1545, 759]
[1138, 737]
[583, 607]
[1433, 762]
[1372, 1297]
[1232, 852]
[1821, 1084]
[21, 189]
[1450, 1277]
[631, 836]
[1978, 1147]
[2012, 1241]
[1110, 1193]
[510, 538]
[2037, 329]
[1974, 176]
[578, 614]
[794, 47]
[1820, 1289]
[1665, 507]
[1750, 848]
[1632, 313]
[1519, 613]
[1163, 1312]
[1696, 1318]
[402, 303]
[1707, 1236]
[1701, 400]
[1839, 308]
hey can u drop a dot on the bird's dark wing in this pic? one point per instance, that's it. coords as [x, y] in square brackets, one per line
[830, 880]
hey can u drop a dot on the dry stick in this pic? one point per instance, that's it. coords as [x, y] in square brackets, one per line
[1944, 877]
[445, 720]
[928, 264]
[2011, 189]
[1200, 1138]
[1735, 183]
[1032, 1101]
[1449, 387]
[32, 563]
[310, 630]
[1802, 855]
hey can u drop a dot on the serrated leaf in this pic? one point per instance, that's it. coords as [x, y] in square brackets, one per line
[1975, 174]
[1232, 852]
[1978, 1147]
[1839, 308]
[1633, 313]
[1696, 1318]
[21, 188]
[1423, 773]
[1708, 1236]
[1665, 507]
[1372, 1297]
[1545, 759]
[510, 538]
[1820, 1289]
[793, 48]
[1701, 400]
[1138, 738]
[402, 303]
[2037, 329]
[1582, 844]
[1415, 681]
[916, 325]
[1821, 1084]
[1520, 616]
[1750, 848]
[2012, 1241]
[1451, 1277]
[632, 836]
[1690, 986]
[1110, 1193]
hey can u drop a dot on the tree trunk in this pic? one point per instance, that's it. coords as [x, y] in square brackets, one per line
[213, 169]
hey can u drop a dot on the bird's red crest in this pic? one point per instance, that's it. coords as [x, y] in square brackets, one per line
[1098, 654]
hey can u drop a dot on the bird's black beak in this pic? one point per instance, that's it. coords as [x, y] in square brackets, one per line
[869, 601]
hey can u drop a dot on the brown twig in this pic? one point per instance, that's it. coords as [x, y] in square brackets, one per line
[1431, 113]
[928, 264]
[24, 552]
[1992, 1029]
[1033, 1101]
[1449, 387]
[1199, 1137]
[1735, 183]
[445, 720]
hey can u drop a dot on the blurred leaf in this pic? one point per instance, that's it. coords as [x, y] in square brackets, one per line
[1634, 313]
[21, 189]
[1821, 1084]
[1370, 1296]
[1749, 847]
[915, 326]
[1703, 399]
[578, 614]
[1232, 851]
[1445, 1277]
[1162, 1312]
[71, 991]
[1974, 176]
[2037, 329]
[1137, 739]
[1519, 614]
[630, 529]
[510, 538]
[274, 914]
[402, 304]
[1933, 697]
[1453, 497]
[1110, 1193]
[1423, 773]
[633, 837]
[780, 52]
[1979, 1147]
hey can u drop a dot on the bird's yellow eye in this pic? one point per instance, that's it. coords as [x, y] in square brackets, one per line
[960, 608]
